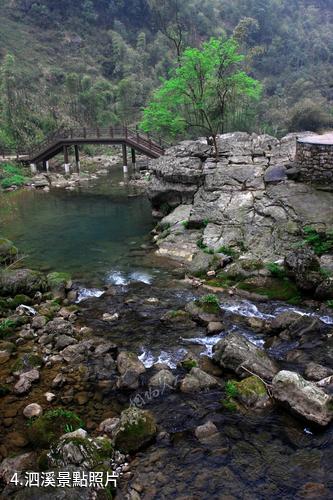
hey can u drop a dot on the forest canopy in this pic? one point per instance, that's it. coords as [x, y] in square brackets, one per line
[96, 62]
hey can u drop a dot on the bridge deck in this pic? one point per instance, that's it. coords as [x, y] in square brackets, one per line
[56, 142]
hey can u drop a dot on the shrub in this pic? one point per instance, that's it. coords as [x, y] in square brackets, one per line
[227, 251]
[11, 176]
[320, 242]
[46, 429]
[231, 389]
[276, 270]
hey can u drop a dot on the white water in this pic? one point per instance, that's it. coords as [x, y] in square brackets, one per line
[245, 308]
[88, 293]
[249, 310]
[166, 357]
[121, 278]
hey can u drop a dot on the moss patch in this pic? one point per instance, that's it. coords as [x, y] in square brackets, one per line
[47, 428]
[273, 288]
[137, 429]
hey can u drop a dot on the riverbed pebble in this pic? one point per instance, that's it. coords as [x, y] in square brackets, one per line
[32, 410]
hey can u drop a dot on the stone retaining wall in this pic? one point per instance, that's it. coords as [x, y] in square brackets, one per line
[315, 162]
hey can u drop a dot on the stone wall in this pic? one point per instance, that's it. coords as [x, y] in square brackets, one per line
[315, 162]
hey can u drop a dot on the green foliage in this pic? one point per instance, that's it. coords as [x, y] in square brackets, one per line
[6, 327]
[329, 304]
[231, 389]
[209, 303]
[227, 251]
[275, 289]
[276, 270]
[203, 89]
[46, 429]
[188, 364]
[320, 242]
[11, 175]
[286, 43]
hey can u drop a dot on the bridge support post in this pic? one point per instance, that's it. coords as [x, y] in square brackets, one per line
[77, 158]
[133, 153]
[66, 160]
[47, 165]
[125, 164]
[33, 168]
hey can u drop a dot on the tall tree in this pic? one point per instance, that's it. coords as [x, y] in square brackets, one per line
[207, 86]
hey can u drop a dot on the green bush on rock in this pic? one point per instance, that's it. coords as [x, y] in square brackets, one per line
[209, 303]
[47, 428]
[136, 429]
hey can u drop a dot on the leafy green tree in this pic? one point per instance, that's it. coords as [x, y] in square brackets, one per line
[207, 85]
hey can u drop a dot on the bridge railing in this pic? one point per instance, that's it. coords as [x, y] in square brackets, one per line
[123, 133]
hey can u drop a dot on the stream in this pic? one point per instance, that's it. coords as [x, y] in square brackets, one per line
[100, 234]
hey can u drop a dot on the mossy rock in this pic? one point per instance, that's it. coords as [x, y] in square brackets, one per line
[20, 299]
[273, 288]
[47, 429]
[137, 428]
[252, 392]
[49, 310]
[76, 449]
[58, 283]
[27, 362]
[22, 281]
[8, 251]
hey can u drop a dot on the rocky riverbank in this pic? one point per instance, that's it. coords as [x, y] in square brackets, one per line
[76, 394]
[243, 219]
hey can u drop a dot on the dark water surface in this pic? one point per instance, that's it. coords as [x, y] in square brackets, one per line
[89, 232]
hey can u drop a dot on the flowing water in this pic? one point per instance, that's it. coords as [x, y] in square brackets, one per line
[100, 234]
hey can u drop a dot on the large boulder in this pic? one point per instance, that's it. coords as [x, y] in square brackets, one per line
[136, 429]
[234, 352]
[304, 267]
[59, 283]
[76, 448]
[197, 380]
[324, 290]
[304, 398]
[174, 180]
[22, 281]
[130, 368]
[252, 393]
[8, 251]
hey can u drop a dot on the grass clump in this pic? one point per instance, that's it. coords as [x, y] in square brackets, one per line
[11, 175]
[329, 304]
[320, 242]
[231, 391]
[276, 270]
[227, 251]
[46, 429]
[209, 303]
[7, 327]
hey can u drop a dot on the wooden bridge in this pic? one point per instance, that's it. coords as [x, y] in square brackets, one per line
[61, 140]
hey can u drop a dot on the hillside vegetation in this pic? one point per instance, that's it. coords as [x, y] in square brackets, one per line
[97, 62]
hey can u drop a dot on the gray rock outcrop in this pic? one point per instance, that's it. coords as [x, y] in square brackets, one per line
[243, 199]
[303, 397]
[236, 353]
